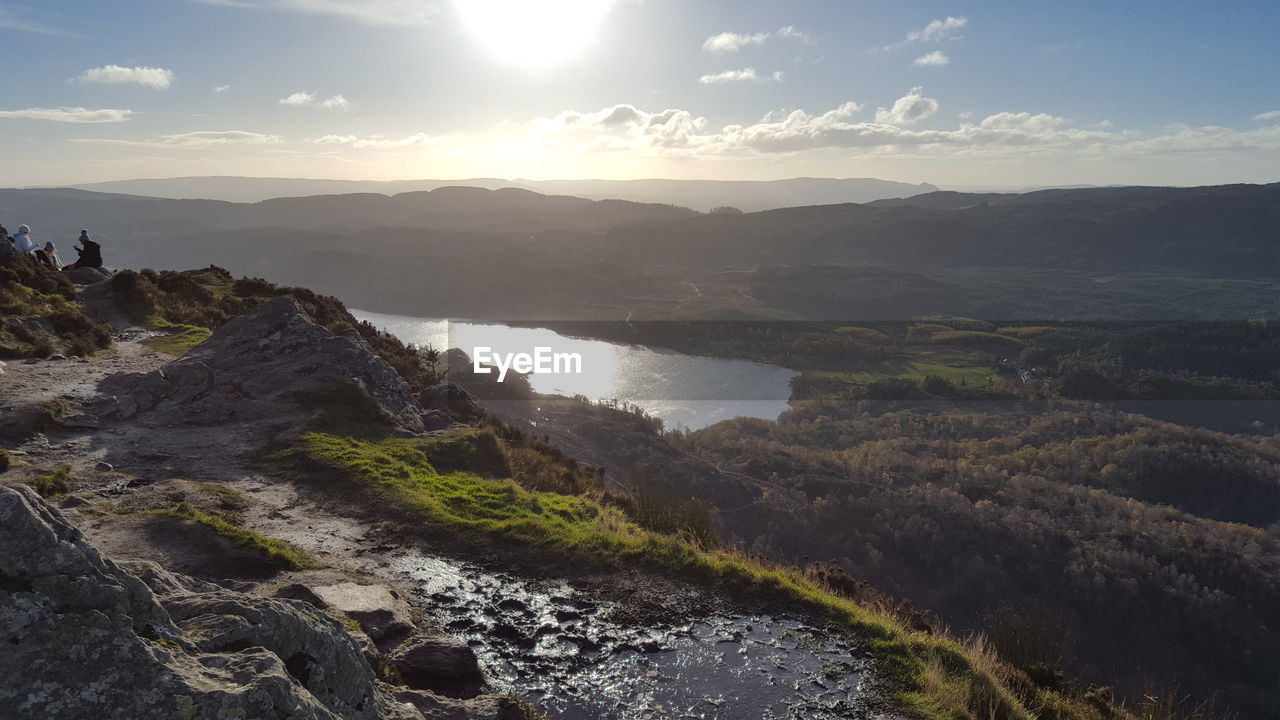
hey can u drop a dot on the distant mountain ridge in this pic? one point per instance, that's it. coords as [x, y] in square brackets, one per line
[702, 195]
[517, 254]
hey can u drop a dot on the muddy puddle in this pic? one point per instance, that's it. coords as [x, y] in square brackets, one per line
[566, 652]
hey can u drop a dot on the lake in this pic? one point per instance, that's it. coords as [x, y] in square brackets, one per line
[683, 390]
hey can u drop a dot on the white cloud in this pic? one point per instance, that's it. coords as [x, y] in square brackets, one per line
[306, 99]
[791, 33]
[381, 142]
[1270, 115]
[732, 42]
[743, 75]
[158, 78]
[625, 128]
[70, 115]
[298, 99]
[336, 102]
[368, 12]
[1023, 122]
[221, 89]
[908, 109]
[9, 22]
[193, 140]
[938, 30]
[937, 58]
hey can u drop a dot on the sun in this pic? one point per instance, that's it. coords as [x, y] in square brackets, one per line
[534, 32]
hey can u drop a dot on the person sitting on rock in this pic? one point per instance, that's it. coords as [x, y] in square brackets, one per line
[49, 256]
[22, 241]
[90, 253]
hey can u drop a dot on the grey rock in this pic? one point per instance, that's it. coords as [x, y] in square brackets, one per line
[81, 420]
[434, 707]
[442, 664]
[435, 420]
[448, 398]
[301, 592]
[252, 369]
[87, 275]
[89, 639]
[382, 614]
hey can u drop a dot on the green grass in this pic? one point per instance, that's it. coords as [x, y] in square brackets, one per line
[223, 492]
[960, 369]
[214, 281]
[178, 338]
[283, 554]
[53, 482]
[933, 677]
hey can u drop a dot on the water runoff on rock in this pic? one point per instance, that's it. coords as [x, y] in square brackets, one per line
[552, 645]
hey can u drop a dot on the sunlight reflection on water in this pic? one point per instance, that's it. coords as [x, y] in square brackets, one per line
[682, 390]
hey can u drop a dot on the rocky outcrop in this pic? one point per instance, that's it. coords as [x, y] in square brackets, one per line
[88, 275]
[446, 665]
[450, 399]
[382, 614]
[253, 369]
[86, 638]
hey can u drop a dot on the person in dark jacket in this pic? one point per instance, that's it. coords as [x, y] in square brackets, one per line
[90, 253]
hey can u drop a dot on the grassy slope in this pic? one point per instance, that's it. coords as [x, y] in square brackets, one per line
[932, 676]
[42, 315]
[283, 554]
[178, 338]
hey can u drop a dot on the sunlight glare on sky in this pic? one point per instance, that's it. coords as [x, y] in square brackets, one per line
[960, 94]
[533, 33]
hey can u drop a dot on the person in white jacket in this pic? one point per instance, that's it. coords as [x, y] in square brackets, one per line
[22, 240]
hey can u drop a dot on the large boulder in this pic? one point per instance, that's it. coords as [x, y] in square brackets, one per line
[381, 612]
[88, 275]
[86, 639]
[448, 398]
[253, 369]
[442, 664]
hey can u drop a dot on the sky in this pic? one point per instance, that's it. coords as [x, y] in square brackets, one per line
[1001, 93]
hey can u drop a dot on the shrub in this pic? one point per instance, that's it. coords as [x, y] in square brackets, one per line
[4, 461]
[660, 509]
[935, 385]
[45, 318]
[52, 483]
